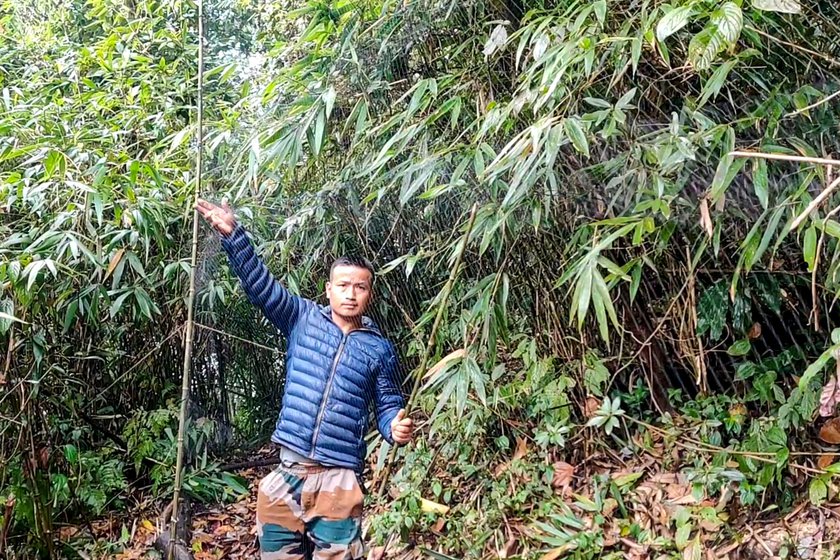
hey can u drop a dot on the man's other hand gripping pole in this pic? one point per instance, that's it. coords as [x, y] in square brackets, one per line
[418, 376]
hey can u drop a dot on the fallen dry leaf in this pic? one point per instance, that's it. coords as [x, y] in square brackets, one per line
[376, 553]
[556, 553]
[590, 407]
[521, 449]
[508, 550]
[68, 532]
[825, 461]
[693, 551]
[830, 431]
[563, 475]
[830, 396]
[610, 505]
[755, 331]
[706, 218]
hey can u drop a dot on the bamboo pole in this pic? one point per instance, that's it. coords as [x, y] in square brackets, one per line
[800, 159]
[785, 157]
[190, 327]
[447, 288]
[815, 203]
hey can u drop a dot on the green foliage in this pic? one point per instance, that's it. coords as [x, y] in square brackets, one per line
[372, 128]
[151, 439]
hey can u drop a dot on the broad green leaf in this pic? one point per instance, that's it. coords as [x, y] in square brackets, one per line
[417, 97]
[769, 232]
[583, 293]
[715, 82]
[815, 368]
[179, 138]
[116, 306]
[600, 7]
[682, 535]
[673, 21]
[809, 248]
[636, 281]
[70, 315]
[832, 228]
[728, 168]
[329, 100]
[603, 292]
[782, 6]
[729, 20]
[577, 135]
[361, 119]
[600, 312]
[595, 376]
[721, 32]
[7, 316]
[760, 181]
[739, 348]
[318, 133]
[624, 101]
[817, 491]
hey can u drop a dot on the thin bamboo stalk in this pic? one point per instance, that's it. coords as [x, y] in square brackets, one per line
[418, 376]
[815, 203]
[190, 327]
[786, 157]
[239, 338]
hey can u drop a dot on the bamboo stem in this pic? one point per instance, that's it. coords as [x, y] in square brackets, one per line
[785, 157]
[239, 338]
[188, 338]
[822, 101]
[814, 203]
[418, 377]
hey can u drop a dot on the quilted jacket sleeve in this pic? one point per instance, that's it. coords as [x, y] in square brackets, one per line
[263, 290]
[389, 397]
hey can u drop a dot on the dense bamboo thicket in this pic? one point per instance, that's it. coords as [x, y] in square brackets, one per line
[624, 267]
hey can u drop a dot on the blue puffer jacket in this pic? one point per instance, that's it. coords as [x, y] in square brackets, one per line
[331, 377]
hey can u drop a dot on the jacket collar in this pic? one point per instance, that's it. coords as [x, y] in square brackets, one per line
[367, 323]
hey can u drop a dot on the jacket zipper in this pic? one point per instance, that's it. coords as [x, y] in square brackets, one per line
[326, 397]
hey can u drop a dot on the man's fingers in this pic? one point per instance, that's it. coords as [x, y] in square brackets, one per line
[400, 415]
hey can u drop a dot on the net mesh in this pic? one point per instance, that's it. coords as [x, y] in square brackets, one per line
[663, 343]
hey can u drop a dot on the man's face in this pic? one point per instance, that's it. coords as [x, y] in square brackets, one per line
[349, 290]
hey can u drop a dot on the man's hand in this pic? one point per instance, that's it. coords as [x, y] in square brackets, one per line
[401, 428]
[220, 218]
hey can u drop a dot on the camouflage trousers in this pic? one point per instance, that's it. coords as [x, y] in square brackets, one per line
[310, 512]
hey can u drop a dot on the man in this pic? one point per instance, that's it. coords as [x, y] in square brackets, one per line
[337, 362]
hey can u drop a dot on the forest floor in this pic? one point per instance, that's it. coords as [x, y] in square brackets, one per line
[658, 517]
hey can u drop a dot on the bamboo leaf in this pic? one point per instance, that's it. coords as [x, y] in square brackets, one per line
[761, 183]
[584, 293]
[7, 316]
[600, 8]
[576, 134]
[70, 315]
[809, 249]
[715, 82]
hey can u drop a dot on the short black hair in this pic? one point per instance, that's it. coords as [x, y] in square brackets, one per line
[354, 260]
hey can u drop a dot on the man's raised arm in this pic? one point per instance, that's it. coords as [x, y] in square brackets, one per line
[263, 290]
